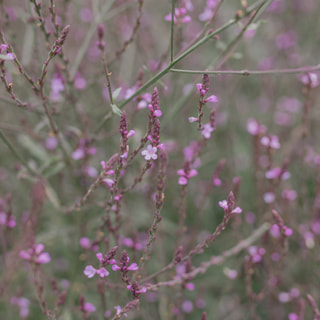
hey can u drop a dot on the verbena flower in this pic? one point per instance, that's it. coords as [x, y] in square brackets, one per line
[186, 175]
[271, 141]
[224, 204]
[90, 272]
[149, 153]
[89, 308]
[35, 254]
[206, 131]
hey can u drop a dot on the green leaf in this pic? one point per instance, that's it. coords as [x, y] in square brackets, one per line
[34, 148]
[53, 197]
[116, 93]
[4, 57]
[116, 110]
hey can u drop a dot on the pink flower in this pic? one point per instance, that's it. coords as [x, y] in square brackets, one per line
[89, 308]
[57, 87]
[271, 141]
[102, 272]
[310, 79]
[131, 133]
[185, 176]
[78, 154]
[254, 128]
[224, 204]
[256, 253]
[35, 254]
[90, 271]
[157, 113]
[212, 99]
[119, 310]
[192, 119]
[269, 197]
[109, 182]
[132, 267]
[10, 56]
[275, 231]
[230, 273]
[206, 131]
[124, 261]
[276, 173]
[187, 306]
[150, 153]
[293, 316]
[140, 290]
[85, 243]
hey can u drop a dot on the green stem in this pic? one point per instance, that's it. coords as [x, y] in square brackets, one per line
[252, 72]
[172, 30]
[257, 6]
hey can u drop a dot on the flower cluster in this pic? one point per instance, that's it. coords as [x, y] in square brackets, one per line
[180, 16]
[35, 254]
[228, 207]
[255, 254]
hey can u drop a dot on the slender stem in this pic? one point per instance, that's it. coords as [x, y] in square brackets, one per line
[167, 69]
[172, 30]
[246, 72]
[243, 244]
[19, 65]
[256, 6]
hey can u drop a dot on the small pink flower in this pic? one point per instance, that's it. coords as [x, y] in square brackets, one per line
[206, 131]
[109, 182]
[85, 243]
[119, 310]
[115, 267]
[187, 306]
[131, 133]
[102, 272]
[271, 141]
[10, 56]
[183, 180]
[90, 271]
[192, 119]
[276, 173]
[51, 143]
[78, 154]
[43, 258]
[254, 128]
[206, 15]
[310, 79]
[284, 297]
[89, 307]
[230, 273]
[293, 316]
[133, 267]
[35, 254]
[275, 231]
[141, 290]
[269, 197]
[189, 286]
[212, 99]
[150, 153]
[223, 204]
[157, 113]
